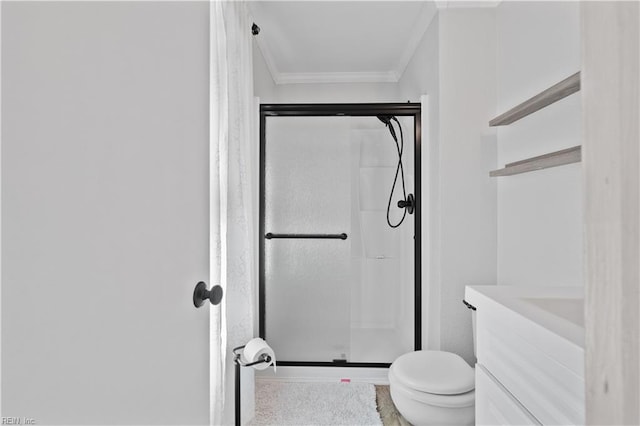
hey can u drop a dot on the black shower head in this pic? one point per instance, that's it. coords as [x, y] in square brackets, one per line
[386, 119]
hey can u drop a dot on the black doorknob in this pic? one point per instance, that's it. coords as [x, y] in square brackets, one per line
[200, 294]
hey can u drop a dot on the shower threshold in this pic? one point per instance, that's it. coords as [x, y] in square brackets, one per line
[373, 375]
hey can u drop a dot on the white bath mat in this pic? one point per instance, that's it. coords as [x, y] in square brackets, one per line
[297, 403]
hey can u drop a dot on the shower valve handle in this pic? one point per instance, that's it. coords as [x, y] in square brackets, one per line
[409, 203]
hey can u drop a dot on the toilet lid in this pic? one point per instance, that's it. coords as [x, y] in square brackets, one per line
[438, 372]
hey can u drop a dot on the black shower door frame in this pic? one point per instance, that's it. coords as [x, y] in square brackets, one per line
[357, 110]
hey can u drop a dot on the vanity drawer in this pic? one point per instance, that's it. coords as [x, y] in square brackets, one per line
[495, 405]
[542, 373]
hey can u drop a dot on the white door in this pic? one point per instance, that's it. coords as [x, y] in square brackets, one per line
[105, 212]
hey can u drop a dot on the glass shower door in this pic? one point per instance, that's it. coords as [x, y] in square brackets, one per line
[307, 209]
[339, 281]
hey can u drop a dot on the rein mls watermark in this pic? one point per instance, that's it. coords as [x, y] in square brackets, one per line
[17, 421]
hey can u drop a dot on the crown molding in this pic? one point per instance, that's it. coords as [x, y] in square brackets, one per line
[336, 77]
[453, 4]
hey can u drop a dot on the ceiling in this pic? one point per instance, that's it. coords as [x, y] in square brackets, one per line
[340, 41]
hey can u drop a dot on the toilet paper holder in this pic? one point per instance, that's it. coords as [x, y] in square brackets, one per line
[237, 359]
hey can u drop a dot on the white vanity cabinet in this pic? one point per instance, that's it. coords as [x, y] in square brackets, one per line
[530, 350]
[495, 405]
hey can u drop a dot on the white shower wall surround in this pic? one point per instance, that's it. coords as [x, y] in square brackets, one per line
[335, 299]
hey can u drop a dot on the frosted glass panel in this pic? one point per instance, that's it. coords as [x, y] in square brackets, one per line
[377, 149]
[378, 293]
[375, 185]
[308, 299]
[307, 177]
[308, 191]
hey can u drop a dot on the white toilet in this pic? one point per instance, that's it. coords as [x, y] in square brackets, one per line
[434, 387]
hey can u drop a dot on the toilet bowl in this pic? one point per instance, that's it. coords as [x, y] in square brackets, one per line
[433, 388]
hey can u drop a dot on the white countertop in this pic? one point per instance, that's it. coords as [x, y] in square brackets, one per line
[557, 309]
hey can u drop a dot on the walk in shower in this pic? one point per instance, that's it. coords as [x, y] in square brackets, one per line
[338, 284]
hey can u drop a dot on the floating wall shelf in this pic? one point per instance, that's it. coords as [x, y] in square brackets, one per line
[553, 159]
[553, 94]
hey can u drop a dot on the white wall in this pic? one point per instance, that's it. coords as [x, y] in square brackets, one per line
[421, 77]
[539, 213]
[520, 230]
[455, 66]
[467, 153]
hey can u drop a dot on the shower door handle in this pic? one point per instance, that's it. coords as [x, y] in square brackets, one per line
[343, 236]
